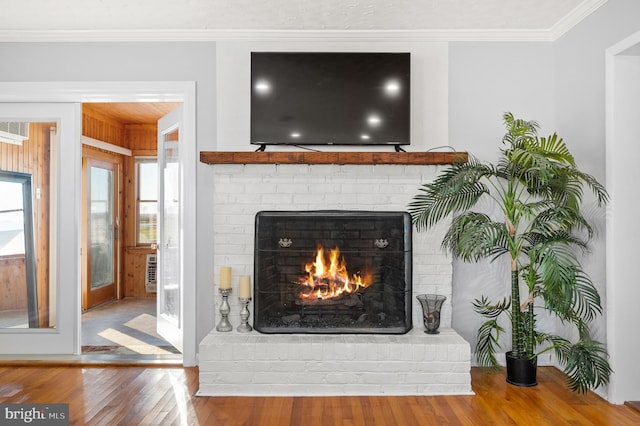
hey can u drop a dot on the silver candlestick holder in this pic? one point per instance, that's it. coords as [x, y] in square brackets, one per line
[224, 324]
[244, 327]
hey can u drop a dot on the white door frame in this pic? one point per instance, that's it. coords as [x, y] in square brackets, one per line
[162, 91]
[622, 83]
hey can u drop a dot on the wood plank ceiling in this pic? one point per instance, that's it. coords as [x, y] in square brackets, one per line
[131, 112]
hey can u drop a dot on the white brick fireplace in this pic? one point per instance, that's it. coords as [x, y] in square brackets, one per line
[415, 363]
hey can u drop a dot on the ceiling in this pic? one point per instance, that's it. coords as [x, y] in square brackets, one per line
[131, 112]
[287, 15]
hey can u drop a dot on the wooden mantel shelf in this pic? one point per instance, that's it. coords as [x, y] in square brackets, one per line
[364, 158]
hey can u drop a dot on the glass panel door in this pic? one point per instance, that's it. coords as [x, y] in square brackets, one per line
[101, 195]
[39, 239]
[171, 229]
[19, 304]
[170, 285]
[101, 224]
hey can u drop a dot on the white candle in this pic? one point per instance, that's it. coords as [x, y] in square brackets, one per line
[245, 287]
[225, 277]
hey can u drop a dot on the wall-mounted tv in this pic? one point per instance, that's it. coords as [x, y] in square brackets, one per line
[311, 98]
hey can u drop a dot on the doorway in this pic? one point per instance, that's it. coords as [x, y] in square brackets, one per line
[120, 198]
[64, 100]
[623, 229]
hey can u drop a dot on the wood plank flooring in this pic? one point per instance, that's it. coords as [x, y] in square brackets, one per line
[166, 396]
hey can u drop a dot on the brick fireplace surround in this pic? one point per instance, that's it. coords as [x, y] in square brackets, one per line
[247, 364]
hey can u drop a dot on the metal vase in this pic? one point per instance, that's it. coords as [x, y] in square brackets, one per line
[431, 307]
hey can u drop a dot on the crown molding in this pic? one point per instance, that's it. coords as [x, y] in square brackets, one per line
[211, 35]
[576, 16]
[50, 36]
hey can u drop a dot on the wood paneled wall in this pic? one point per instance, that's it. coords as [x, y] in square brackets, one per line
[142, 139]
[134, 257]
[101, 127]
[33, 157]
[13, 276]
[135, 262]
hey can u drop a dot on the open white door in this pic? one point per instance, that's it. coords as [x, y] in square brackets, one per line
[39, 236]
[170, 296]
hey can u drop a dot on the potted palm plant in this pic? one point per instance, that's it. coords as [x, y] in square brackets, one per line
[538, 190]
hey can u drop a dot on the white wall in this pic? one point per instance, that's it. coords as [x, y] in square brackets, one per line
[488, 79]
[579, 58]
[428, 88]
[623, 228]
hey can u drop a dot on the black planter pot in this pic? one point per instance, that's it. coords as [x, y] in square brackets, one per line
[521, 371]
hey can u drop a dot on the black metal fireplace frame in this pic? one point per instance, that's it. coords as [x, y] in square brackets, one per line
[317, 215]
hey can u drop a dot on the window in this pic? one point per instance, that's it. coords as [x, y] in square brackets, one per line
[11, 217]
[147, 200]
[17, 250]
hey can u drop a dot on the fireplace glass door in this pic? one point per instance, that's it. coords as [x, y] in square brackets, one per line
[332, 272]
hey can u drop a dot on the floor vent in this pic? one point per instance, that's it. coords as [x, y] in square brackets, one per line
[151, 280]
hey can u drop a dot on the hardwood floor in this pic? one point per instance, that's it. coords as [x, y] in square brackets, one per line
[158, 396]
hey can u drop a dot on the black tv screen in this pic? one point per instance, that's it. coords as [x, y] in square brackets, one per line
[330, 98]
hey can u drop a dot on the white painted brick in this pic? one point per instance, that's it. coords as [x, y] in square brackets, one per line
[234, 377]
[292, 188]
[308, 377]
[399, 389]
[294, 169]
[341, 378]
[361, 389]
[378, 378]
[355, 364]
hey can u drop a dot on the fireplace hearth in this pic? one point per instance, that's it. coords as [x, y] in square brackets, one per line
[332, 272]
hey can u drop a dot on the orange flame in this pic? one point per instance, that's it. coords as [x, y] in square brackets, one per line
[329, 280]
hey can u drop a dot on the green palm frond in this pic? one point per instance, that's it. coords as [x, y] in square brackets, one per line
[518, 129]
[473, 236]
[489, 310]
[559, 345]
[587, 366]
[487, 345]
[559, 219]
[596, 187]
[531, 209]
[564, 189]
[586, 300]
[538, 239]
[551, 148]
[458, 188]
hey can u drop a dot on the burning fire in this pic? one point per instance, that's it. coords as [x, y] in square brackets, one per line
[330, 280]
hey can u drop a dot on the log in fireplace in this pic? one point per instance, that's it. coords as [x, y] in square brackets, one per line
[332, 272]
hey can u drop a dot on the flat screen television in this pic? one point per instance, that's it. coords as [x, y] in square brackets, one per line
[300, 98]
